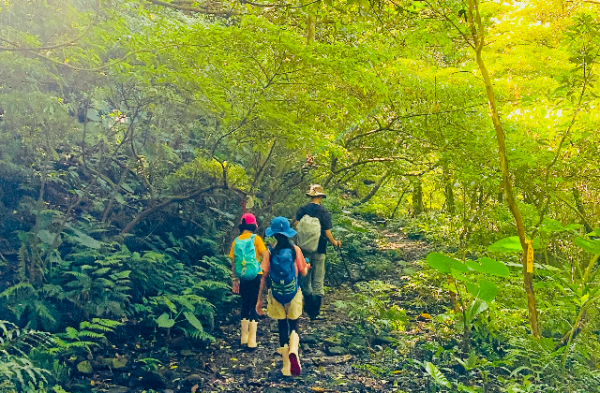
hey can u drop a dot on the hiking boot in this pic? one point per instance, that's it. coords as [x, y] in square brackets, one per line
[244, 339]
[316, 308]
[252, 334]
[309, 306]
[295, 367]
[285, 353]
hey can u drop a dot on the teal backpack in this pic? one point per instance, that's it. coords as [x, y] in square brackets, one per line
[246, 264]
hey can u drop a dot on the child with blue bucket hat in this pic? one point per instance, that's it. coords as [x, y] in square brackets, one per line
[284, 298]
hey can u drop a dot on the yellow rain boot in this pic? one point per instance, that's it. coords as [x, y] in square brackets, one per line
[295, 367]
[252, 334]
[285, 353]
[244, 339]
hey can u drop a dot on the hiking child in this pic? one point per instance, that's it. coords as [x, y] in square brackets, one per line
[313, 223]
[284, 299]
[246, 252]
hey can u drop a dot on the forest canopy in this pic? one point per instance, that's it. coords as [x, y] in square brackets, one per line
[134, 134]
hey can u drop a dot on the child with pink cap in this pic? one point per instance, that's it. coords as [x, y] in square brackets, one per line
[246, 253]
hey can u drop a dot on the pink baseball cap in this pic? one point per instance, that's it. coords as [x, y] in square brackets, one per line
[249, 219]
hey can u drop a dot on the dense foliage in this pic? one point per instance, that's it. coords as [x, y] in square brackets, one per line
[134, 133]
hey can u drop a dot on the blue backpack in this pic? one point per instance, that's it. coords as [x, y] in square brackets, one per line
[282, 275]
[246, 264]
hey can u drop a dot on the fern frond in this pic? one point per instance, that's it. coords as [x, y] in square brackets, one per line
[7, 293]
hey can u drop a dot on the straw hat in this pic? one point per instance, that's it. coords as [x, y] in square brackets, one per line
[316, 191]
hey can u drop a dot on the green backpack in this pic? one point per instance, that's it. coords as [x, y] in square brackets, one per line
[246, 264]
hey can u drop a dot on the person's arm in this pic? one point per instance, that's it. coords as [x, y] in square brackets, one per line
[336, 243]
[235, 282]
[304, 271]
[263, 282]
[301, 266]
[299, 215]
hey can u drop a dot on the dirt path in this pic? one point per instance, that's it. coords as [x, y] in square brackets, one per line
[335, 355]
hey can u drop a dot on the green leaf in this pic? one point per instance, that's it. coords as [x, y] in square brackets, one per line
[477, 307]
[489, 266]
[85, 240]
[185, 303]
[549, 225]
[509, 244]
[126, 187]
[439, 262]
[457, 274]
[170, 304]
[444, 263]
[472, 288]
[438, 377]
[487, 291]
[45, 236]
[592, 246]
[164, 321]
[191, 318]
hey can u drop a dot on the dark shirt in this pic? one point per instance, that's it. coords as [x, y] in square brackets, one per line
[317, 211]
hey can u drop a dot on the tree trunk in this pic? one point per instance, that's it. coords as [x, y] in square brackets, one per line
[375, 188]
[449, 192]
[580, 208]
[418, 207]
[476, 28]
[398, 204]
[311, 23]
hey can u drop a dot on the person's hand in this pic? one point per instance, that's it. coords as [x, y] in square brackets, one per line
[308, 266]
[259, 306]
[235, 285]
[338, 244]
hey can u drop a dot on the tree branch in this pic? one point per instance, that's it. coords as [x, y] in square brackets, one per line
[161, 206]
[198, 9]
[370, 160]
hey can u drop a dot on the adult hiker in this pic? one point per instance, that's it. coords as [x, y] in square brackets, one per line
[284, 300]
[313, 223]
[246, 253]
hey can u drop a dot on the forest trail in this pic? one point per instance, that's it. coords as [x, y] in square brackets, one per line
[335, 356]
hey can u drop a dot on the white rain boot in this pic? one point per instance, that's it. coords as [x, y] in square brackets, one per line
[244, 339]
[293, 353]
[252, 334]
[285, 353]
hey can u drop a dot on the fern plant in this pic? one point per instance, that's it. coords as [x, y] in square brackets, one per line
[97, 284]
[16, 369]
[187, 249]
[90, 334]
[31, 306]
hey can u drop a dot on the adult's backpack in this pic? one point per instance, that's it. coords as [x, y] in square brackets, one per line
[282, 275]
[244, 256]
[309, 233]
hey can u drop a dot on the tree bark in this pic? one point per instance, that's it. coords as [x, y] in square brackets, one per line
[376, 187]
[580, 208]
[311, 23]
[166, 203]
[477, 33]
[449, 192]
[398, 204]
[418, 207]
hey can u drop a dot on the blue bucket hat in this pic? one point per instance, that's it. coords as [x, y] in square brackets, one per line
[280, 225]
